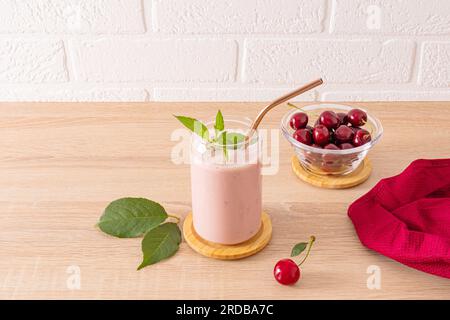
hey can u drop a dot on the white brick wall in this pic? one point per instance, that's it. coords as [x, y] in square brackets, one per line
[238, 16]
[400, 17]
[140, 60]
[32, 61]
[338, 61]
[223, 50]
[71, 16]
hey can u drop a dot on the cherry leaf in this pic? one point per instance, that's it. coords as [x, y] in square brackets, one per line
[131, 217]
[160, 243]
[298, 248]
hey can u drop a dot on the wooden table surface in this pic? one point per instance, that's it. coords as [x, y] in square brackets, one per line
[62, 163]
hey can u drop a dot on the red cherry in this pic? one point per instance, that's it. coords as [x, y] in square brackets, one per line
[329, 119]
[321, 135]
[331, 146]
[361, 137]
[346, 145]
[357, 117]
[286, 272]
[316, 146]
[354, 129]
[304, 136]
[299, 120]
[342, 118]
[343, 134]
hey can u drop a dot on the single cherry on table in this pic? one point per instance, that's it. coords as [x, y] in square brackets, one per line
[287, 271]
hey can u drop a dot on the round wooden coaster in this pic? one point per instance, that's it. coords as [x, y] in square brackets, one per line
[333, 182]
[228, 252]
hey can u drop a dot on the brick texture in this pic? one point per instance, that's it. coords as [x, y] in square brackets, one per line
[71, 16]
[356, 61]
[413, 17]
[435, 65]
[228, 50]
[32, 61]
[157, 60]
[237, 16]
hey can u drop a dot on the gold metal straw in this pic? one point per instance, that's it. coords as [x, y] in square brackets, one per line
[279, 101]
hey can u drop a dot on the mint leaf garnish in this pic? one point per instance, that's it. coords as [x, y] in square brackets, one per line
[131, 217]
[160, 243]
[231, 139]
[220, 124]
[226, 140]
[195, 126]
[298, 248]
[235, 138]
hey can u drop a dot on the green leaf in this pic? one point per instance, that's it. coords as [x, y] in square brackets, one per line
[195, 126]
[235, 138]
[220, 125]
[231, 139]
[131, 217]
[298, 248]
[160, 243]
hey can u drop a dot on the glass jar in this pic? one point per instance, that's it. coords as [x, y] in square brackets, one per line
[226, 186]
[321, 161]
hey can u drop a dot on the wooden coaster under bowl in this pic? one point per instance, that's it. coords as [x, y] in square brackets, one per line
[333, 182]
[228, 252]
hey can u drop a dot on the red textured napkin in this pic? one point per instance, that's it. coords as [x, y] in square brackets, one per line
[407, 217]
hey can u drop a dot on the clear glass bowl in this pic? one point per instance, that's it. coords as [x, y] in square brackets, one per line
[324, 161]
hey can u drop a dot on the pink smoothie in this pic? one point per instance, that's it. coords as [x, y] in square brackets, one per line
[226, 201]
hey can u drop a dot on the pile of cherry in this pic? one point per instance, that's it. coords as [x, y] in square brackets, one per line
[334, 131]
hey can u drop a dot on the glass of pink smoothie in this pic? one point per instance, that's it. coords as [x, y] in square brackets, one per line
[226, 186]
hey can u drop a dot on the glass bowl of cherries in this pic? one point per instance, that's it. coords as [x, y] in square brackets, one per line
[331, 139]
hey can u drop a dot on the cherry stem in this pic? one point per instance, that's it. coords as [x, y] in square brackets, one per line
[174, 217]
[311, 241]
[293, 106]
